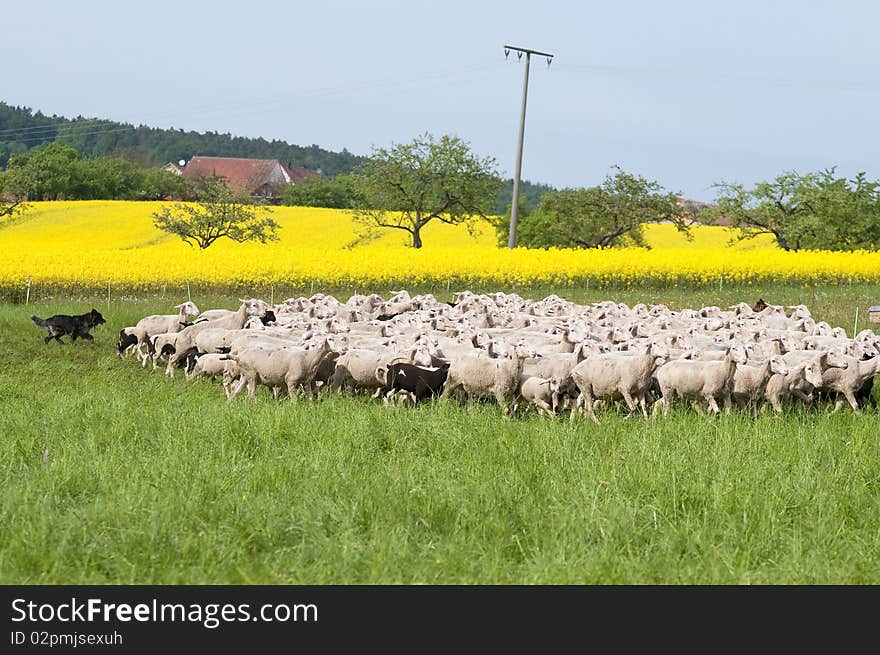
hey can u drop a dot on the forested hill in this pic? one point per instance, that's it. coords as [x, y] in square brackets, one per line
[22, 129]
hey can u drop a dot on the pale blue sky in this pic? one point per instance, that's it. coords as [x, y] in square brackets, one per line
[684, 92]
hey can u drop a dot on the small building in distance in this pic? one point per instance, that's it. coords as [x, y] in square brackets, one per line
[262, 178]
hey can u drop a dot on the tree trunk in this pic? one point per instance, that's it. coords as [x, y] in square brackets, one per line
[417, 238]
[782, 241]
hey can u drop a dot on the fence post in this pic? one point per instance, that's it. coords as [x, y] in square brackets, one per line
[108, 293]
[312, 290]
[188, 294]
[272, 296]
[856, 323]
[27, 295]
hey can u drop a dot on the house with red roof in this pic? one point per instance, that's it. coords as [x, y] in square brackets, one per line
[264, 178]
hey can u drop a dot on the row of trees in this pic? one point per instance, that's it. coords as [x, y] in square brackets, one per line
[56, 172]
[409, 185]
[821, 210]
[804, 211]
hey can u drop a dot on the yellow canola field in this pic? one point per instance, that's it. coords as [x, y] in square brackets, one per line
[87, 244]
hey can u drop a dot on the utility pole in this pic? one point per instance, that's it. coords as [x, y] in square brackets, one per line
[514, 208]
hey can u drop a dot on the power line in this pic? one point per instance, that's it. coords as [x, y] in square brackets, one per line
[89, 127]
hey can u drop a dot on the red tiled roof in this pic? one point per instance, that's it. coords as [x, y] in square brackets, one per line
[241, 174]
[297, 173]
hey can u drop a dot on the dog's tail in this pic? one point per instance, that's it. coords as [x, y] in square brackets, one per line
[38, 321]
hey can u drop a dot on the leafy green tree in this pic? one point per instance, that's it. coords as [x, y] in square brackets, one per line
[335, 192]
[780, 207]
[159, 184]
[110, 178]
[47, 173]
[411, 184]
[610, 214]
[525, 226]
[847, 212]
[219, 213]
[810, 211]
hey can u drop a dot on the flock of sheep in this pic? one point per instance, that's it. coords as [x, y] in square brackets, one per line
[549, 354]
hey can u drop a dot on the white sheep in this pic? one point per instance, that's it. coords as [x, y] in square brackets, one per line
[750, 380]
[696, 379]
[482, 376]
[185, 346]
[540, 392]
[162, 323]
[208, 365]
[614, 376]
[283, 369]
[798, 383]
[847, 381]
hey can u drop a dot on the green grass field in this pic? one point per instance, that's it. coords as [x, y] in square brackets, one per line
[115, 474]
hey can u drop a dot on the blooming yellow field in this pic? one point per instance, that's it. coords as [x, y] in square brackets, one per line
[85, 244]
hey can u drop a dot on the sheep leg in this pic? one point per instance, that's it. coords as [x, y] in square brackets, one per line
[505, 406]
[449, 390]
[713, 404]
[727, 403]
[237, 386]
[229, 385]
[575, 408]
[806, 399]
[656, 407]
[850, 396]
[773, 399]
[252, 388]
[544, 407]
[591, 410]
[630, 402]
[666, 399]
